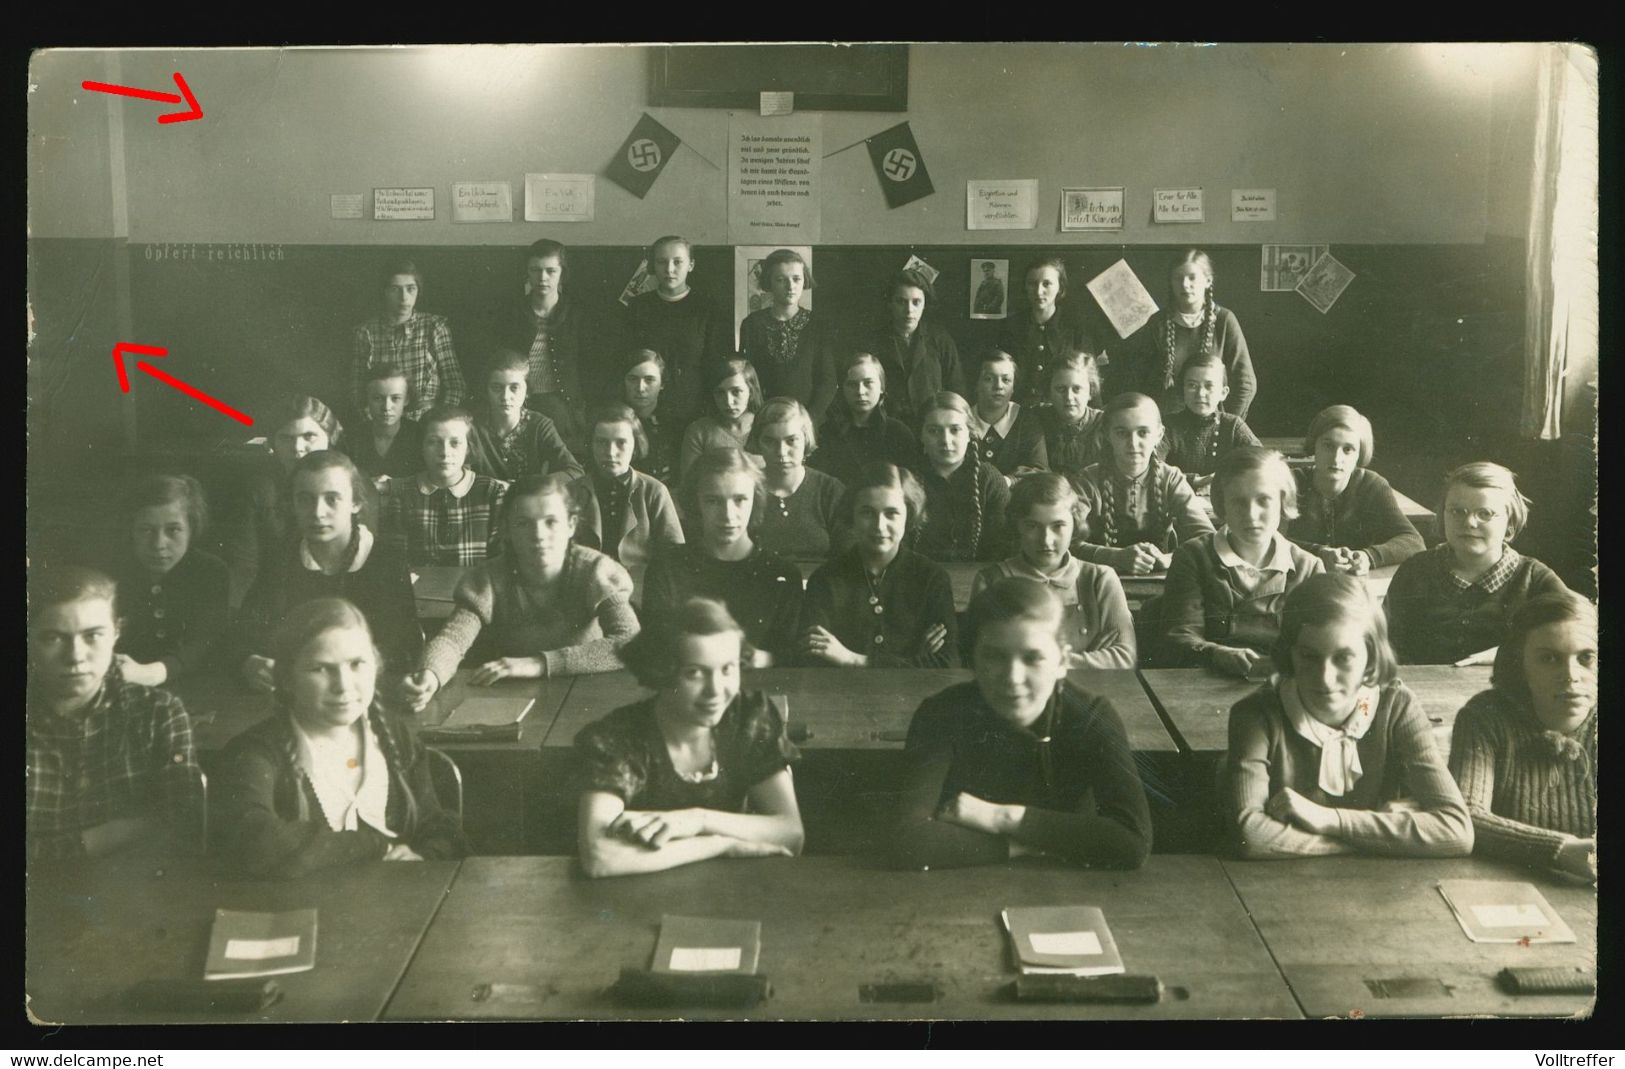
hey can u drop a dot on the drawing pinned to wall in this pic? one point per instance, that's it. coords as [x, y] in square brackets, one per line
[1325, 282]
[1177, 205]
[900, 166]
[749, 293]
[640, 282]
[1095, 208]
[1123, 297]
[1283, 266]
[916, 264]
[990, 288]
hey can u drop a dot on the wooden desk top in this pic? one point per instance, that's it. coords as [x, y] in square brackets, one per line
[96, 928]
[529, 937]
[859, 709]
[1197, 701]
[1335, 925]
[432, 587]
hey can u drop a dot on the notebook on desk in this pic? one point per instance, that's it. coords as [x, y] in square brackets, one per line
[1071, 940]
[244, 945]
[484, 718]
[1504, 911]
[707, 945]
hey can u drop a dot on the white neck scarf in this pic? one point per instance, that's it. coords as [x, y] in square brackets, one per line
[1339, 747]
[322, 761]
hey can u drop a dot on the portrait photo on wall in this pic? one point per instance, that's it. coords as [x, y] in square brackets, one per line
[989, 288]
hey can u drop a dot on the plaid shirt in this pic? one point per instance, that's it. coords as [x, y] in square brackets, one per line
[1491, 581]
[443, 526]
[130, 752]
[421, 347]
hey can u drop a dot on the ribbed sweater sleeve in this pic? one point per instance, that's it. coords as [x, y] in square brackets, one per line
[1249, 783]
[1394, 538]
[1112, 642]
[1480, 744]
[610, 588]
[1183, 619]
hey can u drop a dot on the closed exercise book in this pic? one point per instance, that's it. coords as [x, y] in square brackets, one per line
[488, 710]
[1504, 911]
[435, 583]
[260, 944]
[707, 945]
[1062, 939]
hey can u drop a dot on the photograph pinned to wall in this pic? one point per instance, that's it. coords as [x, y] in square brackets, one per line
[559, 198]
[1093, 208]
[990, 288]
[749, 295]
[642, 281]
[1325, 282]
[1123, 297]
[917, 264]
[1283, 266]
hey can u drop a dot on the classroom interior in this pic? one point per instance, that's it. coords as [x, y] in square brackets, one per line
[1426, 169]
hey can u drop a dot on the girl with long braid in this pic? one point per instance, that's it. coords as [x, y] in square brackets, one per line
[965, 497]
[1139, 508]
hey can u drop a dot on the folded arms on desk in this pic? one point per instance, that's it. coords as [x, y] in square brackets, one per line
[617, 841]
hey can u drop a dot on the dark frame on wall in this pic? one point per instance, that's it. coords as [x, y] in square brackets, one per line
[822, 77]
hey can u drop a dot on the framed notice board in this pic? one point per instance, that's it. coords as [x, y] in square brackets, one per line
[823, 77]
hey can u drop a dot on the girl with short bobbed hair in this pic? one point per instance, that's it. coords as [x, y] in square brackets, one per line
[1045, 331]
[919, 355]
[1525, 751]
[547, 327]
[418, 343]
[1349, 516]
[789, 345]
[1451, 604]
[333, 777]
[700, 769]
[1071, 421]
[624, 512]
[736, 397]
[1335, 755]
[857, 430]
[681, 324]
[802, 519]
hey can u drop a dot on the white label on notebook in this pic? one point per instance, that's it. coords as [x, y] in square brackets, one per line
[261, 949]
[1065, 943]
[1527, 915]
[704, 959]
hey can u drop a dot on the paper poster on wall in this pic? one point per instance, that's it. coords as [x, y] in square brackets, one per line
[481, 202]
[1252, 205]
[1325, 282]
[773, 186]
[346, 205]
[559, 198]
[1092, 208]
[750, 293]
[916, 264]
[640, 282]
[403, 203]
[1124, 299]
[776, 103]
[1001, 204]
[990, 288]
[1283, 266]
[1177, 205]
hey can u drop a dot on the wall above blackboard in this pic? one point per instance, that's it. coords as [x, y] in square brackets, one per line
[823, 77]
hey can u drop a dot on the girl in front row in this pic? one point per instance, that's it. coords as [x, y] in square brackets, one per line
[856, 432]
[545, 607]
[1525, 751]
[1452, 603]
[1072, 426]
[624, 513]
[699, 770]
[735, 396]
[333, 777]
[965, 498]
[1335, 755]
[881, 604]
[1223, 604]
[1348, 514]
[802, 519]
[1045, 511]
[1020, 761]
[1139, 508]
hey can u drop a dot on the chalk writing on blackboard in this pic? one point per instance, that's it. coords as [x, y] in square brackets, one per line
[208, 252]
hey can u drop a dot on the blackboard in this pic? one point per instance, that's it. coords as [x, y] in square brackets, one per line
[822, 77]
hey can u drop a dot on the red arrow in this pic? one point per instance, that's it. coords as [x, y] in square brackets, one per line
[148, 94]
[191, 391]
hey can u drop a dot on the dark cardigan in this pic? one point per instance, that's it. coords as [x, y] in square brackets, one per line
[270, 821]
[762, 592]
[951, 530]
[915, 593]
[918, 369]
[1022, 448]
[1430, 622]
[565, 330]
[845, 449]
[1365, 516]
[176, 618]
[689, 334]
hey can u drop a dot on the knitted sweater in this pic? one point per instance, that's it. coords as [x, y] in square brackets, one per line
[1431, 621]
[1020, 450]
[1098, 623]
[534, 447]
[404, 456]
[1143, 365]
[792, 359]
[575, 631]
[1528, 793]
[1121, 512]
[1397, 760]
[1208, 606]
[650, 521]
[916, 369]
[1365, 516]
[689, 333]
[887, 624]
[1196, 445]
[806, 524]
[844, 449]
[1084, 801]
[175, 618]
[1072, 447]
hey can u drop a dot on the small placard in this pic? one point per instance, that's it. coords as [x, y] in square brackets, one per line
[1099, 208]
[482, 202]
[778, 103]
[1177, 205]
[704, 959]
[260, 949]
[347, 205]
[403, 203]
[1001, 204]
[559, 198]
[1065, 942]
[1252, 205]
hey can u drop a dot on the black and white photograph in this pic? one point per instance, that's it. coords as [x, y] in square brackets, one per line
[582, 616]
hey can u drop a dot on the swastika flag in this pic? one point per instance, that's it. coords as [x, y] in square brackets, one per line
[900, 166]
[642, 156]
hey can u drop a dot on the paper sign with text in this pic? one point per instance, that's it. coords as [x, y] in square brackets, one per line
[346, 205]
[1177, 205]
[403, 203]
[481, 202]
[773, 179]
[1252, 205]
[1001, 204]
[559, 198]
[1098, 208]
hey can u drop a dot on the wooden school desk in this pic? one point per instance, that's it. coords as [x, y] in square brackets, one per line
[532, 938]
[431, 589]
[1373, 937]
[1197, 701]
[97, 927]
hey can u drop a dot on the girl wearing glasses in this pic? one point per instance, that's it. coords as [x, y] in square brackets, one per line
[1451, 604]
